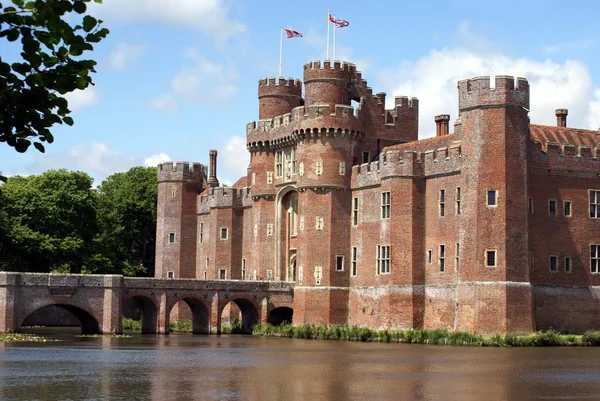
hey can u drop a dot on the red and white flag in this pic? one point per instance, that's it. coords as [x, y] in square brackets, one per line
[292, 34]
[339, 23]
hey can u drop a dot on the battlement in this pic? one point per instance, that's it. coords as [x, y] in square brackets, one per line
[405, 101]
[478, 93]
[327, 70]
[565, 157]
[279, 87]
[223, 197]
[342, 119]
[181, 171]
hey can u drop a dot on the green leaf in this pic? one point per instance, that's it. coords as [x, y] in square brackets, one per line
[30, 5]
[79, 7]
[18, 2]
[68, 120]
[89, 23]
[22, 145]
[12, 35]
[39, 147]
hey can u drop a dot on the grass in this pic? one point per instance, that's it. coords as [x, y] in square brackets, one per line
[131, 324]
[21, 337]
[549, 338]
[234, 328]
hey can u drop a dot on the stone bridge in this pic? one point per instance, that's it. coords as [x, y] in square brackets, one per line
[98, 300]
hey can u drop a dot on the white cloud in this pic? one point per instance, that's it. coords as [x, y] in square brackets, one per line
[164, 102]
[553, 85]
[125, 55]
[79, 99]
[156, 159]
[211, 17]
[233, 160]
[210, 84]
[577, 46]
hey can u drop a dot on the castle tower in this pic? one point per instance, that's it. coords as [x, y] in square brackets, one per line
[496, 294]
[178, 188]
[327, 133]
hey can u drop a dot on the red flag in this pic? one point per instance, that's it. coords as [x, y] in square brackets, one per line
[292, 34]
[339, 23]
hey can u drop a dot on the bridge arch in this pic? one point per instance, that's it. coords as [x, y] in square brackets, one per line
[200, 313]
[249, 308]
[87, 320]
[149, 310]
[280, 315]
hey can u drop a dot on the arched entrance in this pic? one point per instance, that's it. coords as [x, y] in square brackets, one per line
[286, 219]
[143, 308]
[51, 319]
[281, 315]
[200, 314]
[249, 314]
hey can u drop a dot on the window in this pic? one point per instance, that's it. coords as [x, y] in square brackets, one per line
[173, 193]
[342, 168]
[269, 274]
[442, 258]
[319, 168]
[254, 274]
[205, 275]
[567, 264]
[222, 274]
[492, 198]
[490, 258]
[171, 238]
[354, 260]
[595, 204]
[594, 258]
[530, 205]
[255, 230]
[567, 208]
[269, 230]
[429, 256]
[301, 168]
[318, 275]
[553, 264]
[279, 164]
[366, 157]
[355, 211]
[457, 201]
[319, 223]
[339, 263]
[301, 223]
[300, 274]
[223, 233]
[170, 275]
[531, 261]
[442, 202]
[383, 259]
[552, 207]
[243, 269]
[201, 233]
[385, 205]
[294, 161]
[457, 255]
[253, 178]
[269, 177]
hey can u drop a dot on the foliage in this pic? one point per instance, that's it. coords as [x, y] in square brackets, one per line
[48, 222]
[181, 326]
[131, 324]
[422, 336]
[234, 328]
[127, 220]
[52, 64]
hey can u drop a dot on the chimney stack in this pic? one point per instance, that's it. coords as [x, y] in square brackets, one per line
[212, 175]
[561, 117]
[442, 124]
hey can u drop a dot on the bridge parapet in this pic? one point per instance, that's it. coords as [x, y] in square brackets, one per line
[210, 285]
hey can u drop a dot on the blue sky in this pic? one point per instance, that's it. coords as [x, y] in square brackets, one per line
[177, 78]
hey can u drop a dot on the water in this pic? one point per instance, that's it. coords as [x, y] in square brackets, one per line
[186, 367]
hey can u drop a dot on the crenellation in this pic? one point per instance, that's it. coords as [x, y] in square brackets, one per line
[181, 171]
[477, 92]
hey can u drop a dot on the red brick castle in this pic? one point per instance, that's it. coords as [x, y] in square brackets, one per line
[492, 228]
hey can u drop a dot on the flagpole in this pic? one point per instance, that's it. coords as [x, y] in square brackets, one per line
[334, 29]
[328, 23]
[280, 49]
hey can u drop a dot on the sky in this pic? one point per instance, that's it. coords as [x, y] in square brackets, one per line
[178, 78]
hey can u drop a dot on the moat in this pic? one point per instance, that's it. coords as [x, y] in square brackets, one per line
[235, 367]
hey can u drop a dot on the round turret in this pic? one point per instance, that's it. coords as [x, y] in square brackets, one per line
[327, 83]
[278, 97]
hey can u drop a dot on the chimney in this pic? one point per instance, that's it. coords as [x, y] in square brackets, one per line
[561, 117]
[212, 175]
[441, 124]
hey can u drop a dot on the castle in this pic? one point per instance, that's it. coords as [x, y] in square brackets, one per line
[492, 228]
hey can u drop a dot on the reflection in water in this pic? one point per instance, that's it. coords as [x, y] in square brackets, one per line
[180, 367]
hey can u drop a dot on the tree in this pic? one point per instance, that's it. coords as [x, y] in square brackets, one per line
[127, 220]
[31, 91]
[48, 223]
